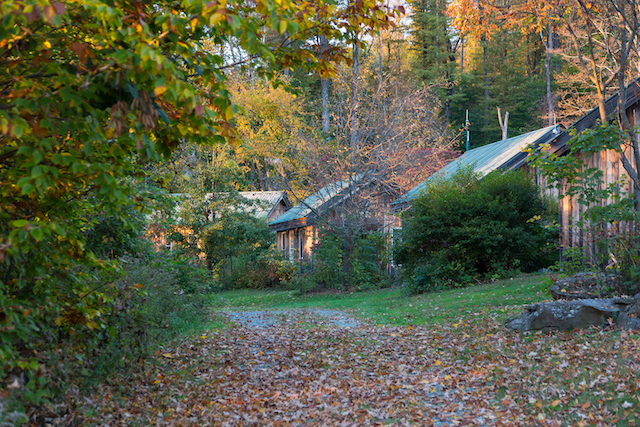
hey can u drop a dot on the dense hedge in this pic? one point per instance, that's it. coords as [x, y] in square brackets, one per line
[466, 228]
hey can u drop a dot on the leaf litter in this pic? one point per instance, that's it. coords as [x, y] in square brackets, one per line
[324, 367]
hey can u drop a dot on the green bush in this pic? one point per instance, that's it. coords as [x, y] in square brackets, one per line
[234, 234]
[113, 237]
[465, 228]
[358, 262]
[151, 303]
[261, 269]
[121, 319]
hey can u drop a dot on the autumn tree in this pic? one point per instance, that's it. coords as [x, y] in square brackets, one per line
[401, 139]
[91, 92]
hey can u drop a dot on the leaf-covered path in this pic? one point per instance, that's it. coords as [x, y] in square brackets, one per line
[322, 367]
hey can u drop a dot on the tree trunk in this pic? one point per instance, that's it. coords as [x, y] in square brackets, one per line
[461, 56]
[224, 276]
[324, 91]
[547, 69]
[354, 99]
[379, 60]
[485, 62]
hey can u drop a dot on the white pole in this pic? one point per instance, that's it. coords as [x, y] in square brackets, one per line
[466, 125]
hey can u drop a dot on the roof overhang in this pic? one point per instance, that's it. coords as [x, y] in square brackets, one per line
[559, 144]
[289, 225]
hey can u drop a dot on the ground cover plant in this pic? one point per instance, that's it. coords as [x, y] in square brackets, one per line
[459, 367]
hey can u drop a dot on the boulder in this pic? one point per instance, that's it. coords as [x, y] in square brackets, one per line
[630, 317]
[568, 315]
[583, 286]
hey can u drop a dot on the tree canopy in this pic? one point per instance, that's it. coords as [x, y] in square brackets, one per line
[92, 91]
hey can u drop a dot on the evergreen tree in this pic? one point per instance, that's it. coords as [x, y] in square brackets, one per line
[435, 54]
[509, 78]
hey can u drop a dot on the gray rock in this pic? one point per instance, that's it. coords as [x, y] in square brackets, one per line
[568, 315]
[583, 286]
[625, 321]
[630, 317]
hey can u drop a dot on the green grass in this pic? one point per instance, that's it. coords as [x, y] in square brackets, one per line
[394, 306]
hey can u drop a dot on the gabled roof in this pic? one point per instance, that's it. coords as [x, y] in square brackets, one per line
[264, 202]
[306, 210]
[506, 154]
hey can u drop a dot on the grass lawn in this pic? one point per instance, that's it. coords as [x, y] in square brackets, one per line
[394, 307]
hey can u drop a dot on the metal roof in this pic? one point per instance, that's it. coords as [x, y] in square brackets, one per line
[489, 157]
[315, 201]
[263, 202]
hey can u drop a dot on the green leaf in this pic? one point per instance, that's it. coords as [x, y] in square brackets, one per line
[37, 234]
[36, 171]
[27, 189]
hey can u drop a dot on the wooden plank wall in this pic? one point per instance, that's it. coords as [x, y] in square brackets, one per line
[570, 211]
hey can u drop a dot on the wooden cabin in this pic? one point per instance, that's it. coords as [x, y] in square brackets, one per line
[507, 154]
[297, 229]
[511, 154]
[609, 161]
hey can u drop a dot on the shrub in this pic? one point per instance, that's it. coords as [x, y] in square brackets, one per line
[467, 228]
[121, 319]
[150, 303]
[359, 264]
[262, 269]
[112, 237]
[235, 234]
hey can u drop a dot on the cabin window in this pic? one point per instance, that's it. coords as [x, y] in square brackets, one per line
[300, 244]
[284, 243]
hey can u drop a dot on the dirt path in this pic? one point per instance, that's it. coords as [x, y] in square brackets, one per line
[326, 368]
[391, 386]
[310, 368]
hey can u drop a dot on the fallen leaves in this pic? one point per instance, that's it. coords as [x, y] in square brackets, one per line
[299, 369]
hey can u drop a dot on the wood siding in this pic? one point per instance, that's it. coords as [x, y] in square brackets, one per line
[571, 212]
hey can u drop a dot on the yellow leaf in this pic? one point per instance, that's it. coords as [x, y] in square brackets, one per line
[167, 355]
[282, 26]
[138, 286]
[438, 363]
[47, 44]
[215, 18]
[194, 22]
[159, 90]
[228, 114]
[555, 403]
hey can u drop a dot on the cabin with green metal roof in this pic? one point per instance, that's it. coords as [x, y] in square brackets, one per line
[295, 229]
[508, 154]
